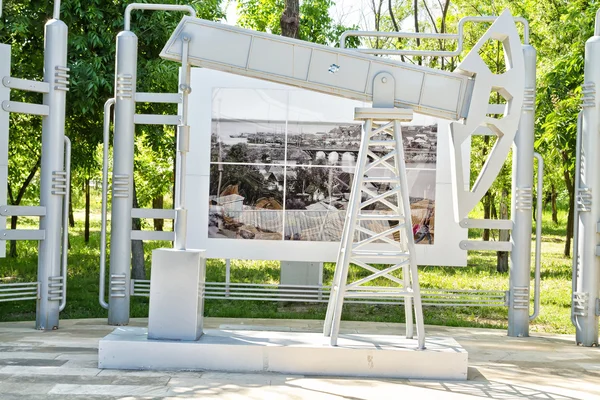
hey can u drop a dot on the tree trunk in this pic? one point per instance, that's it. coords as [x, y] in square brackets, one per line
[416, 15]
[86, 232]
[138, 267]
[570, 188]
[553, 202]
[487, 208]
[12, 252]
[290, 19]
[157, 202]
[502, 256]
[71, 215]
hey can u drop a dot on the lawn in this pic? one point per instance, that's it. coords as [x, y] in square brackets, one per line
[82, 298]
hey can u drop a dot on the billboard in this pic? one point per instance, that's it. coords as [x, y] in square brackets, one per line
[272, 170]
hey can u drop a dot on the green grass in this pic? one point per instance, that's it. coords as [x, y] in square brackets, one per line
[82, 299]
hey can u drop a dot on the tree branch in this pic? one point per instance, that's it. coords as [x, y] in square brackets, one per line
[28, 180]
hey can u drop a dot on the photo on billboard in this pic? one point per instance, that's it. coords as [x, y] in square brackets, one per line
[282, 168]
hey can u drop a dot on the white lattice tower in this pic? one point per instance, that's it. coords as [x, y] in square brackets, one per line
[378, 226]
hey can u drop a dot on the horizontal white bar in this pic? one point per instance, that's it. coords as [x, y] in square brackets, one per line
[152, 235]
[25, 108]
[152, 213]
[25, 84]
[486, 223]
[23, 211]
[485, 245]
[18, 284]
[18, 299]
[156, 119]
[496, 108]
[158, 97]
[22, 234]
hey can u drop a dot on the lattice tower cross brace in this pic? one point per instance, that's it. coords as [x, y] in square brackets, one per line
[383, 110]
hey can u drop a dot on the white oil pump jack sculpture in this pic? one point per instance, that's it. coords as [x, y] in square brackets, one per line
[51, 286]
[460, 96]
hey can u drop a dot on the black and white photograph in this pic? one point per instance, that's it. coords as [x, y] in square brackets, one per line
[245, 202]
[316, 202]
[274, 178]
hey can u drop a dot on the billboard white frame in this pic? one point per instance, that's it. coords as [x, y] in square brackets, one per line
[444, 251]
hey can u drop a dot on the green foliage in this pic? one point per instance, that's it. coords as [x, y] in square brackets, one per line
[316, 25]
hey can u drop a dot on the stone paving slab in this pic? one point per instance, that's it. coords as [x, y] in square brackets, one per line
[61, 365]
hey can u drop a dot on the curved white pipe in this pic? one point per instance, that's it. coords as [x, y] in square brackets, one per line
[107, 106]
[154, 7]
[65, 229]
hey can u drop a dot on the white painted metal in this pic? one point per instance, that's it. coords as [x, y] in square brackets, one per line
[510, 85]
[286, 352]
[4, 124]
[472, 223]
[158, 97]
[19, 291]
[320, 294]
[350, 74]
[105, 144]
[538, 237]
[155, 7]
[52, 174]
[183, 147]
[392, 198]
[26, 84]
[29, 211]
[65, 223]
[152, 213]
[522, 204]
[307, 65]
[176, 294]
[122, 181]
[587, 192]
[152, 235]
[22, 234]
[158, 119]
[25, 108]
[483, 245]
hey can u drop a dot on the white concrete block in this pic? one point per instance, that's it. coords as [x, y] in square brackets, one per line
[287, 352]
[176, 294]
[301, 273]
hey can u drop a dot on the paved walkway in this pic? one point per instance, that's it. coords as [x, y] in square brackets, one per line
[62, 364]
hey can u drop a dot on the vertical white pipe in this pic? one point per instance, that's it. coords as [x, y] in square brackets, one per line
[122, 182]
[53, 134]
[521, 206]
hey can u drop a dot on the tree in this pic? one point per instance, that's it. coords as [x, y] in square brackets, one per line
[315, 24]
[290, 19]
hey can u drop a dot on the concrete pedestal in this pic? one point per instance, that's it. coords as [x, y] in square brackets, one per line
[301, 273]
[287, 352]
[176, 294]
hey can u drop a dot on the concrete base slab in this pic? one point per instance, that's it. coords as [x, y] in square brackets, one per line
[286, 352]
